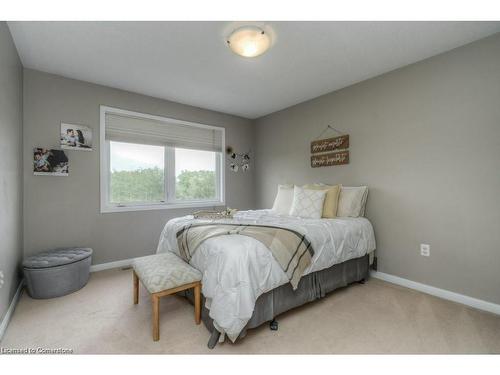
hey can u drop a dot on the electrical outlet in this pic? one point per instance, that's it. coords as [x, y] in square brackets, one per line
[425, 250]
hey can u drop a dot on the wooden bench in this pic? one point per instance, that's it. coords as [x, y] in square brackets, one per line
[162, 275]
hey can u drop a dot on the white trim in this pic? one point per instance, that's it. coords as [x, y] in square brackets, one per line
[160, 206]
[437, 292]
[10, 311]
[111, 265]
[103, 158]
[170, 203]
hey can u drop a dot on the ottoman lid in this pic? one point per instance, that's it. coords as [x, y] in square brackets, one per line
[57, 257]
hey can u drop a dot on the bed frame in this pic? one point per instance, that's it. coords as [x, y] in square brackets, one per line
[283, 298]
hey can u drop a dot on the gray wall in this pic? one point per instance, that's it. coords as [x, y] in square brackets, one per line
[426, 140]
[64, 211]
[11, 85]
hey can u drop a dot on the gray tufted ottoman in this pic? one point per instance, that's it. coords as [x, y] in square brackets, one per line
[58, 272]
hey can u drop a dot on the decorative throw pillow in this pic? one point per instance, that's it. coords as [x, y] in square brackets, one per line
[351, 201]
[331, 198]
[307, 203]
[283, 201]
[363, 203]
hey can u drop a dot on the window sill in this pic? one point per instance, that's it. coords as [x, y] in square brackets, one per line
[166, 206]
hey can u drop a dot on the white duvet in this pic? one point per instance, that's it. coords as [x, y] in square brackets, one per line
[238, 269]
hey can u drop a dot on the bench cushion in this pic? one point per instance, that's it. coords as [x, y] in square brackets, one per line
[164, 271]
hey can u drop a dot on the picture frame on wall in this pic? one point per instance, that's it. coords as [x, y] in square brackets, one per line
[76, 137]
[49, 162]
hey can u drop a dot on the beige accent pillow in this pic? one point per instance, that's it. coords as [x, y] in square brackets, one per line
[283, 201]
[331, 198]
[352, 201]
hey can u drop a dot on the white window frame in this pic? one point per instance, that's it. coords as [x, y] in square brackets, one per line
[170, 201]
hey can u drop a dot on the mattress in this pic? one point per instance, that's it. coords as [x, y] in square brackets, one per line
[238, 269]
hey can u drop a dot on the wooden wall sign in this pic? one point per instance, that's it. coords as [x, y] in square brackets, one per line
[330, 144]
[333, 158]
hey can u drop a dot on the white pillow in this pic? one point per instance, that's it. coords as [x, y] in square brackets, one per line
[307, 203]
[352, 201]
[283, 201]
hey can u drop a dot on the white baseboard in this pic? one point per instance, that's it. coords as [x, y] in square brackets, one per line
[8, 315]
[111, 265]
[441, 293]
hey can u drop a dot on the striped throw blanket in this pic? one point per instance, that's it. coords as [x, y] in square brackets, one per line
[292, 250]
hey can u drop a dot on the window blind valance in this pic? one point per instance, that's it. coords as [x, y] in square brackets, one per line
[135, 129]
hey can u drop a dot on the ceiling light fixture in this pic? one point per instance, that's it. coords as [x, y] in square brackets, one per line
[249, 41]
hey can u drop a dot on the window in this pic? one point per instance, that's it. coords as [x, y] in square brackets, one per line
[195, 174]
[152, 162]
[137, 173]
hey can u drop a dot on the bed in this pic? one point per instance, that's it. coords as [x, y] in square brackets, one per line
[244, 286]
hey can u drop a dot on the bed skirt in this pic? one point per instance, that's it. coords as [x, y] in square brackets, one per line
[311, 287]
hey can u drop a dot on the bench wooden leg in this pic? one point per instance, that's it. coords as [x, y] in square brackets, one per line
[197, 303]
[136, 288]
[156, 317]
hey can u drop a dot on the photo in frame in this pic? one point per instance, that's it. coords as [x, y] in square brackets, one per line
[76, 137]
[50, 162]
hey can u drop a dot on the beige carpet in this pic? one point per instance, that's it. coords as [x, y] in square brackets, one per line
[377, 317]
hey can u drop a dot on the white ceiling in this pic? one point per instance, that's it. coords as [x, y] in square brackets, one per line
[189, 62]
